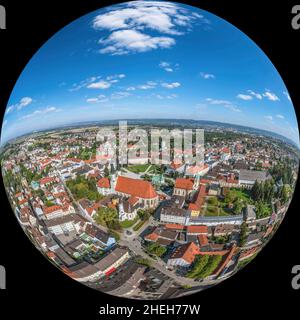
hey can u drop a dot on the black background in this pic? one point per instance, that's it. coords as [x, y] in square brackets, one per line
[36, 289]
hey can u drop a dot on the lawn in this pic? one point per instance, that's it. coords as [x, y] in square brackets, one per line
[242, 194]
[128, 223]
[215, 211]
[140, 168]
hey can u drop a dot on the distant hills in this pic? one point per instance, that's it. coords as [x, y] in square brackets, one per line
[184, 123]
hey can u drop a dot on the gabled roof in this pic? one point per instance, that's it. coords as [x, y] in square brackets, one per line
[47, 180]
[135, 187]
[186, 252]
[103, 183]
[48, 210]
[197, 229]
[186, 184]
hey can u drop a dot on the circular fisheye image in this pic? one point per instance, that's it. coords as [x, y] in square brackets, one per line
[149, 150]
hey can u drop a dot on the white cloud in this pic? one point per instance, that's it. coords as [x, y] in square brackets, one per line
[216, 101]
[171, 85]
[270, 95]
[125, 41]
[92, 100]
[287, 95]
[126, 22]
[167, 66]
[102, 84]
[96, 82]
[244, 97]
[9, 109]
[169, 97]
[41, 112]
[225, 103]
[232, 107]
[255, 94]
[279, 116]
[24, 102]
[115, 77]
[148, 85]
[83, 83]
[267, 94]
[100, 98]
[270, 118]
[120, 95]
[131, 89]
[207, 76]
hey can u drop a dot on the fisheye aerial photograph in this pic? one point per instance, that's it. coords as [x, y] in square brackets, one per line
[149, 150]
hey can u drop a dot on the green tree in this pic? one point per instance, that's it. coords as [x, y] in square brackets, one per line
[243, 234]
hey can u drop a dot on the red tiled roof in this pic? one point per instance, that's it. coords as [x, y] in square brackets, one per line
[47, 180]
[174, 226]
[23, 201]
[103, 183]
[193, 206]
[200, 199]
[186, 252]
[196, 169]
[74, 160]
[203, 240]
[135, 187]
[152, 236]
[197, 229]
[225, 150]
[205, 181]
[186, 184]
[133, 200]
[175, 166]
[223, 264]
[48, 210]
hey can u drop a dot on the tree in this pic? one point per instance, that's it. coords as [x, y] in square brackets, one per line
[238, 207]
[144, 214]
[243, 234]
[108, 217]
[49, 203]
[285, 193]
[156, 249]
[256, 191]
[262, 210]
[213, 201]
[106, 171]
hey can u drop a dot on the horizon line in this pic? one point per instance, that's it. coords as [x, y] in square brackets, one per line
[135, 119]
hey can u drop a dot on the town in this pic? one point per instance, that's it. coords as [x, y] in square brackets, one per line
[142, 230]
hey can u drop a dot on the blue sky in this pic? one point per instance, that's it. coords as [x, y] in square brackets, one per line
[149, 59]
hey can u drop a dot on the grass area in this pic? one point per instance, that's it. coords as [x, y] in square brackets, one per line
[139, 168]
[115, 235]
[204, 266]
[213, 211]
[156, 249]
[138, 225]
[143, 261]
[128, 223]
[242, 194]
